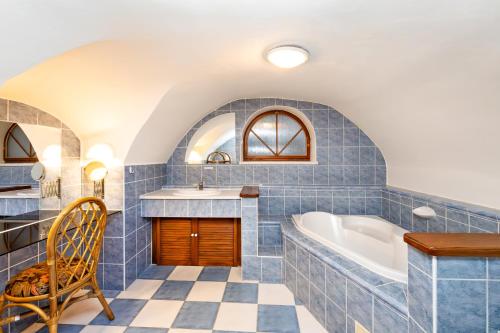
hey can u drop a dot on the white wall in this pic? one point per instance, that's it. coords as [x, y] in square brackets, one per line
[421, 78]
[46, 141]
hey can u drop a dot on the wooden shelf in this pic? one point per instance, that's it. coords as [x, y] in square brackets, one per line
[249, 192]
[14, 188]
[455, 244]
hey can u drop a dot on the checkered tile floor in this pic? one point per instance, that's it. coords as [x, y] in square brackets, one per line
[189, 299]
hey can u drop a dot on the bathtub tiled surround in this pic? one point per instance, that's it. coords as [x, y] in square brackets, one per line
[345, 154]
[443, 289]
[139, 179]
[338, 291]
[452, 216]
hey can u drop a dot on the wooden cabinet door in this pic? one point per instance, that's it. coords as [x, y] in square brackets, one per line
[218, 242]
[174, 244]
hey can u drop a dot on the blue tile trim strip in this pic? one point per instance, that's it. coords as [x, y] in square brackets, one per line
[190, 208]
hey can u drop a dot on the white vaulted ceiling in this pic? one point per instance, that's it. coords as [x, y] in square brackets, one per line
[421, 78]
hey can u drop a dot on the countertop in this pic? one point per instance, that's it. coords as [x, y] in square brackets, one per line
[170, 194]
[26, 193]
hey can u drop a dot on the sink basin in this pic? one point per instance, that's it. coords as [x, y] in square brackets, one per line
[196, 192]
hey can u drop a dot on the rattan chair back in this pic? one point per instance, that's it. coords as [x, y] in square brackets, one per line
[74, 244]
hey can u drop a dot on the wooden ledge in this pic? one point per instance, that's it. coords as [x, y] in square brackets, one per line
[455, 244]
[14, 188]
[249, 192]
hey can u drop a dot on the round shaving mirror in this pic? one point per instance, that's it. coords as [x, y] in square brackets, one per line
[38, 171]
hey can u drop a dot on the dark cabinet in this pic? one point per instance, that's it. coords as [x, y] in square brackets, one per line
[196, 241]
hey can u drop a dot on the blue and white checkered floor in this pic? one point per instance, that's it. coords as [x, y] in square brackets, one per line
[189, 299]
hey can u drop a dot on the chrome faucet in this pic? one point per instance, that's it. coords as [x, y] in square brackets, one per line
[200, 186]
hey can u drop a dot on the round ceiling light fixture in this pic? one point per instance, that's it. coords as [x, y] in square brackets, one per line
[287, 56]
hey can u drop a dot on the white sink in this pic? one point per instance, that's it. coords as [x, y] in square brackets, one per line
[196, 192]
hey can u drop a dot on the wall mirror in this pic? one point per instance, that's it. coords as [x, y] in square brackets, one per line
[213, 141]
[28, 147]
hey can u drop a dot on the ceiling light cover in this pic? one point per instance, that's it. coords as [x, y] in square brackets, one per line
[287, 56]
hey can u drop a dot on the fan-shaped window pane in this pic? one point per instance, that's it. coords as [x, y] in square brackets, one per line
[276, 136]
[17, 146]
[256, 147]
[265, 129]
[297, 146]
[287, 129]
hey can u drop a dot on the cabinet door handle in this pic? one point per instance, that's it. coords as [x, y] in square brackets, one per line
[192, 235]
[195, 235]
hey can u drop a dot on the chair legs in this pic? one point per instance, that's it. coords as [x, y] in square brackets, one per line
[2, 309]
[104, 303]
[53, 315]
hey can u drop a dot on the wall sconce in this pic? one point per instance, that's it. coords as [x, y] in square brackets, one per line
[96, 171]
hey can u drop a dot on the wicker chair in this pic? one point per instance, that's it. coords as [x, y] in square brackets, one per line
[73, 248]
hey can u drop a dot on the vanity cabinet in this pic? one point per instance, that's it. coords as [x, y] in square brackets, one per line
[196, 241]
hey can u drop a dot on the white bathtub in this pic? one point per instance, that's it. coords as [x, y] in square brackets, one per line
[368, 240]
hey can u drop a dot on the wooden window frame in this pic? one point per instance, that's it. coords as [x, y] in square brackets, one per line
[276, 156]
[31, 158]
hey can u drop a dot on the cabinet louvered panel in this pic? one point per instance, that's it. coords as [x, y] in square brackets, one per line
[175, 246]
[216, 242]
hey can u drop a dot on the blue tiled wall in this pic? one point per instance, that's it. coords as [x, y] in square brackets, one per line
[346, 156]
[16, 175]
[333, 199]
[465, 291]
[110, 272]
[452, 216]
[139, 179]
[266, 269]
[11, 206]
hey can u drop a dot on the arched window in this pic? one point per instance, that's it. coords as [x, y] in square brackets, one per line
[276, 136]
[17, 147]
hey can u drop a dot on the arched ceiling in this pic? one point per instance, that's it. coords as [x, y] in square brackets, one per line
[421, 77]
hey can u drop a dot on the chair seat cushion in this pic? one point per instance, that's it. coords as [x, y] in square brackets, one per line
[34, 281]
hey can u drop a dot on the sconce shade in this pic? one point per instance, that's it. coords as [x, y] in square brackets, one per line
[96, 171]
